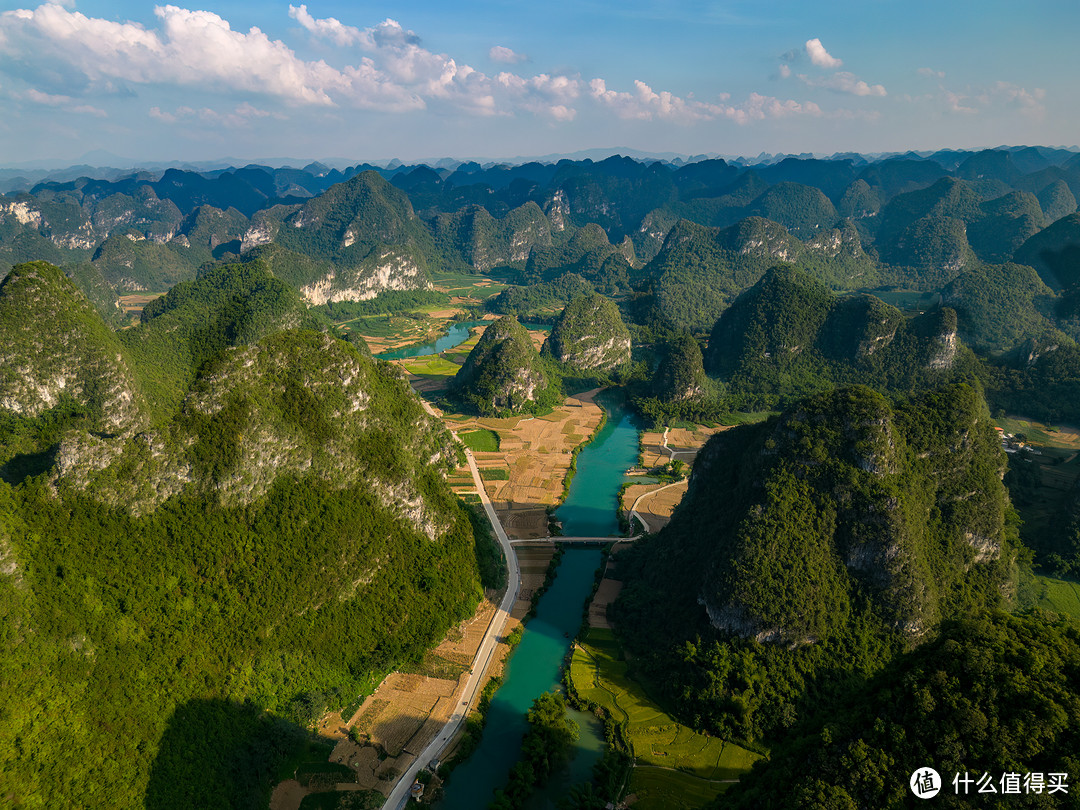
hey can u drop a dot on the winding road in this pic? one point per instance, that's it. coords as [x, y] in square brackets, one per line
[400, 794]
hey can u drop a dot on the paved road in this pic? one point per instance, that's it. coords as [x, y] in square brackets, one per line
[400, 794]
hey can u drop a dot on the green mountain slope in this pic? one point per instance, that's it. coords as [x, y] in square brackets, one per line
[55, 349]
[992, 689]
[503, 373]
[590, 335]
[268, 547]
[700, 270]
[788, 336]
[814, 546]
[226, 306]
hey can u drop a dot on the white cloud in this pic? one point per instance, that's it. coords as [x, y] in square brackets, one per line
[506, 56]
[956, 103]
[844, 82]
[999, 97]
[66, 103]
[645, 104]
[240, 117]
[330, 28]
[391, 71]
[200, 49]
[1028, 102]
[546, 95]
[930, 73]
[785, 72]
[819, 56]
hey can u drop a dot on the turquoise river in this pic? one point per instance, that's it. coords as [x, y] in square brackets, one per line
[456, 334]
[534, 668]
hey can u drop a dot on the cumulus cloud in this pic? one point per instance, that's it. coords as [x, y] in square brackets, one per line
[550, 96]
[785, 72]
[506, 56]
[330, 28]
[200, 49]
[819, 56]
[646, 104]
[844, 82]
[195, 49]
[390, 70]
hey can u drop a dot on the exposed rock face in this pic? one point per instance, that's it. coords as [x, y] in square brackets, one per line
[502, 373]
[296, 403]
[389, 271]
[840, 499]
[590, 335]
[940, 327]
[54, 347]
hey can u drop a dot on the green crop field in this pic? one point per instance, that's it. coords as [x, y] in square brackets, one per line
[496, 474]
[664, 789]
[481, 441]
[1062, 436]
[466, 285]
[682, 760]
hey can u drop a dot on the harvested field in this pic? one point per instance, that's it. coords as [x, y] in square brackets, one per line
[533, 562]
[652, 450]
[524, 522]
[685, 443]
[607, 593]
[288, 795]
[656, 509]
[134, 303]
[682, 444]
[537, 453]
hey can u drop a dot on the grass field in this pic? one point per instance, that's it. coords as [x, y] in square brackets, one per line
[429, 366]
[1058, 595]
[680, 768]
[495, 474]
[481, 441]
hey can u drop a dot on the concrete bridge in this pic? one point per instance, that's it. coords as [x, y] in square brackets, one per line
[540, 541]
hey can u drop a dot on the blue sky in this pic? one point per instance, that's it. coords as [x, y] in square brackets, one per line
[493, 78]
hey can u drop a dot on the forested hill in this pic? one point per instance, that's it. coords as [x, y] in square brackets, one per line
[504, 373]
[813, 547]
[345, 235]
[788, 336]
[993, 694]
[188, 581]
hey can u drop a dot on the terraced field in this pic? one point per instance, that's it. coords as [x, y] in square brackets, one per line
[675, 767]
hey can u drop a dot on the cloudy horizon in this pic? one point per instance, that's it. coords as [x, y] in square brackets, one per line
[330, 80]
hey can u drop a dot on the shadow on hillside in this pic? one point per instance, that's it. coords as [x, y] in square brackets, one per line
[221, 754]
